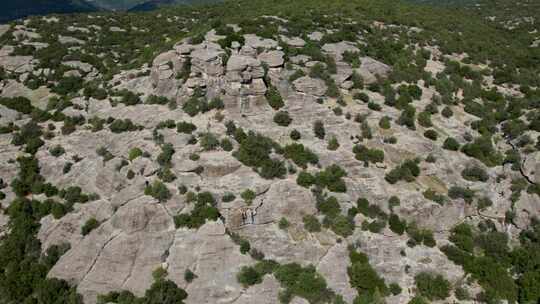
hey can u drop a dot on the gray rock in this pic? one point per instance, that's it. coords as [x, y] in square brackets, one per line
[256, 42]
[294, 41]
[4, 28]
[214, 258]
[333, 266]
[316, 36]
[370, 69]
[337, 49]
[69, 40]
[308, 85]
[82, 66]
[264, 293]
[272, 58]
[531, 167]
[120, 254]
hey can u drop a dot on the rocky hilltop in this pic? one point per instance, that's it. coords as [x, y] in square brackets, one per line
[306, 153]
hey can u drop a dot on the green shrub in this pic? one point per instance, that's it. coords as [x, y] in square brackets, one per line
[282, 118]
[68, 85]
[431, 134]
[407, 171]
[483, 150]
[226, 145]
[451, 144]
[123, 125]
[424, 119]
[456, 192]
[303, 282]
[209, 141]
[318, 129]
[331, 178]
[189, 276]
[195, 105]
[167, 151]
[305, 179]
[374, 106]
[418, 300]
[295, 135]
[432, 195]
[420, 236]
[158, 190]
[216, 103]
[311, 223]
[333, 144]
[248, 196]
[103, 152]
[228, 197]
[274, 98]
[20, 104]
[248, 276]
[341, 225]
[134, 153]
[362, 153]
[447, 112]
[432, 286]
[300, 155]
[407, 117]
[254, 151]
[283, 223]
[160, 100]
[362, 96]
[185, 127]
[297, 74]
[57, 150]
[129, 98]
[397, 225]
[384, 123]
[475, 174]
[89, 225]
[394, 289]
[365, 279]
[202, 212]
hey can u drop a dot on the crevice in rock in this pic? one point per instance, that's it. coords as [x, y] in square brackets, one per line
[131, 267]
[99, 255]
[521, 171]
[325, 254]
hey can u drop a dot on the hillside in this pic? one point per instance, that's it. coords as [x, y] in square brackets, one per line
[250, 151]
[117, 5]
[10, 10]
[156, 4]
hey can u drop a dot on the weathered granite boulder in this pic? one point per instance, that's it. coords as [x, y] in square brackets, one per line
[308, 85]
